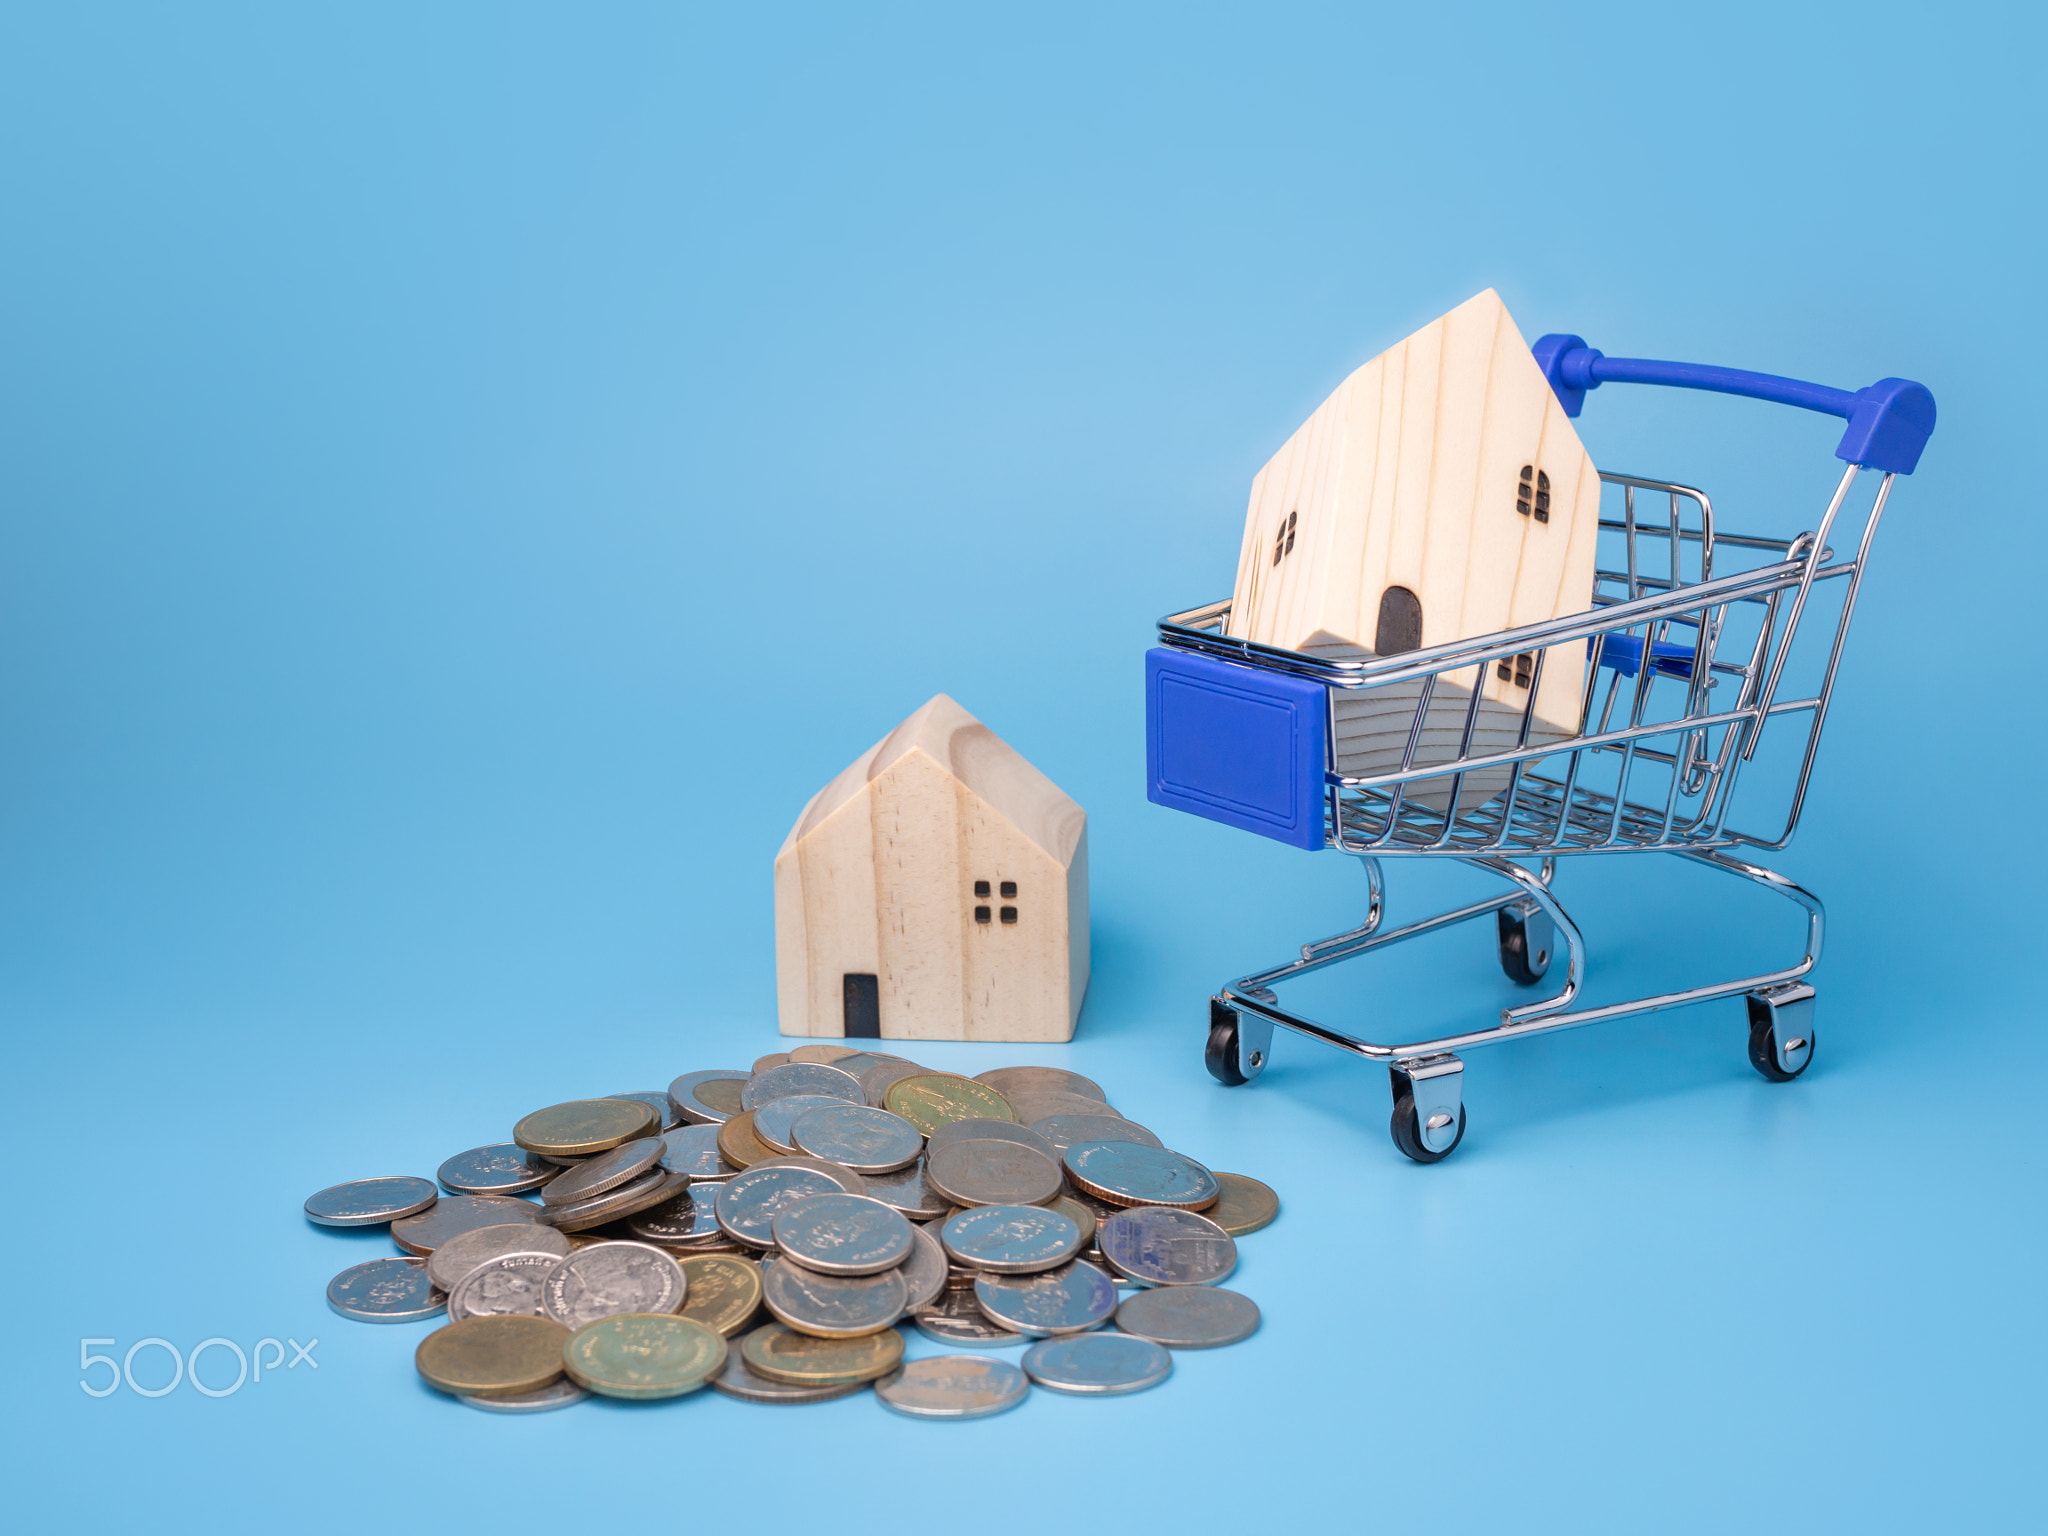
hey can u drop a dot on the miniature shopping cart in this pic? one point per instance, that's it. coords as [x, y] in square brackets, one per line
[1689, 641]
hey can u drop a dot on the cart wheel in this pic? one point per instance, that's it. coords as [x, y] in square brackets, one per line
[1527, 941]
[1408, 1135]
[1764, 1054]
[1221, 1055]
[1781, 1037]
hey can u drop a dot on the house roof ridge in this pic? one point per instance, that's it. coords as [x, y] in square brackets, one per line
[992, 770]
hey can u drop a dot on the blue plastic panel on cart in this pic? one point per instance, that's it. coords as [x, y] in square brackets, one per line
[1624, 653]
[1239, 746]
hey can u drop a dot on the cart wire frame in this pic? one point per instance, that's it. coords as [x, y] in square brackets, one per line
[1653, 765]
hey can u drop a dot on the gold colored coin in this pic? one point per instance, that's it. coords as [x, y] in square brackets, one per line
[721, 1094]
[738, 1144]
[1081, 1216]
[584, 1126]
[823, 1053]
[456, 1214]
[724, 1293]
[783, 1354]
[643, 1355]
[939, 1098]
[497, 1356]
[1244, 1206]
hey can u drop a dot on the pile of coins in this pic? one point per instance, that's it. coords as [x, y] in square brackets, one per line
[844, 1192]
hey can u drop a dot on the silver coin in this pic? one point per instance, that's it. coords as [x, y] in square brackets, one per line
[856, 1136]
[504, 1168]
[1132, 1174]
[386, 1291]
[683, 1094]
[988, 1130]
[876, 1081]
[691, 1217]
[1159, 1245]
[737, 1381]
[1065, 1130]
[844, 1177]
[1033, 1107]
[652, 1188]
[693, 1149]
[370, 1202]
[925, 1271]
[805, 1077]
[453, 1215]
[507, 1286]
[610, 1280]
[1189, 1316]
[663, 1106]
[556, 1394]
[1011, 1081]
[843, 1234]
[954, 1317]
[992, 1173]
[449, 1265]
[774, 1120]
[953, 1387]
[1011, 1239]
[1071, 1299]
[605, 1171]
[832, 1306]
[860, 1061]
[907, 1191]
[749, 1202]
[1097, 1364]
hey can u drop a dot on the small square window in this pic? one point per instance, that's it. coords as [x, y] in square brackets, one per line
[981, 914]
[1504, 671]
[1009, 888]
[981, 887]
[1009, 914]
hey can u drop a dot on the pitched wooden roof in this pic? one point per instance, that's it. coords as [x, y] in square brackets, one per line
[989, 767]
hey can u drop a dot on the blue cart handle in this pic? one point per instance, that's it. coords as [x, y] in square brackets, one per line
[1889, 422]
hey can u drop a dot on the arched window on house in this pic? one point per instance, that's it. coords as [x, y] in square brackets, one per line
[1532, 495]
[1283, 541]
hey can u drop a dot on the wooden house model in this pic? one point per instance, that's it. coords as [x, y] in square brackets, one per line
[1440, 494]
[935, 890]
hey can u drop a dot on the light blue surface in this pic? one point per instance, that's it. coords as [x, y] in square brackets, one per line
[470, 474]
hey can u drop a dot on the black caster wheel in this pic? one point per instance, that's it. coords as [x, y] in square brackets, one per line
[1221, 1055]
[1407, 1132]
[1765, 1056]
[1781, 1039]
[1526, 945]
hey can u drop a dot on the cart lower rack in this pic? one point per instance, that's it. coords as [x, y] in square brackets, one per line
[1689, 661]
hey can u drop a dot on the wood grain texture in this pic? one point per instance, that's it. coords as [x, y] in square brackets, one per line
[878, 877]
[1410, 476]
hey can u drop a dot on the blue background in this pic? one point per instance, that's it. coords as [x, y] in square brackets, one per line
[467, 475]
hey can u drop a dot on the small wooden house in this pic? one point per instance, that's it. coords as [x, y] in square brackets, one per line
[935, 890]
[1440, 494]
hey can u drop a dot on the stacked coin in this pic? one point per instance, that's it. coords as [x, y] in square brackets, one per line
[615, 1245]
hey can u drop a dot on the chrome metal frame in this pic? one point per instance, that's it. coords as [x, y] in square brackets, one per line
[1660, 779]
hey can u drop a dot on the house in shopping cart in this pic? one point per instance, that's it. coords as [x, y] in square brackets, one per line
[1439, 494]
[935, 890]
